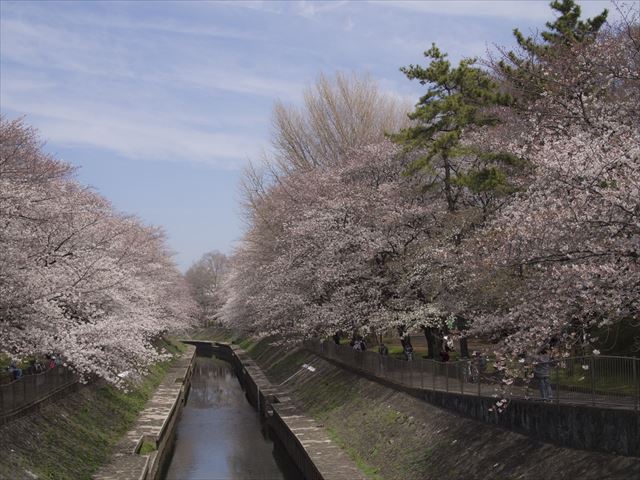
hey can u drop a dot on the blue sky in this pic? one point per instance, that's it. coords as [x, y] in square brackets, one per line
[161, 104]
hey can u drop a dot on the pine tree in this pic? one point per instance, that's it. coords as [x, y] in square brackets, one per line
[524, 69]
[457, 98]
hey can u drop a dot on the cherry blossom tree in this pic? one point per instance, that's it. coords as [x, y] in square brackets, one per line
[519, 221]
[204, 279]
[77, 278]
[276, 283]
[332, 255]
[563, 254]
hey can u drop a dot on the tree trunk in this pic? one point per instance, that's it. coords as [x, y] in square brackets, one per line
[405, 339]
[434, 342]
[461, 325]
[464, 348]
[451, 204]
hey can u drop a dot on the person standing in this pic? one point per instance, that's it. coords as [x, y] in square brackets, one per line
[14, 371]
[542, 373]
[408, 352]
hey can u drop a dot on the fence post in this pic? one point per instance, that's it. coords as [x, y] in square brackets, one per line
[446, 375]
[593, 380]
[433, 375]
[636, 376]
[557, 368]
[461, 377]
[411, 373]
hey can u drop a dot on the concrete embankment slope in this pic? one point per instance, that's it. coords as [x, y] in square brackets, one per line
[396, 436]
[71, 438]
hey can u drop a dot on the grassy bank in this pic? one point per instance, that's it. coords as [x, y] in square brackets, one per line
[73, 437]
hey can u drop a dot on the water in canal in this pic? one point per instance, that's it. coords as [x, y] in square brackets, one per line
[220, 436]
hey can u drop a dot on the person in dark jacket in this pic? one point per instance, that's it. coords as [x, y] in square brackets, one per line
[542, 373]
[14, 371]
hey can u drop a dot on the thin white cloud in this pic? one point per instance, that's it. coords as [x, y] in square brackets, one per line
[170, 26]
[39, 45]
[238, 81]
[349, 24]
[310, 9]
[533, 10]
[268, 6]
[36, 45]
[141, 134]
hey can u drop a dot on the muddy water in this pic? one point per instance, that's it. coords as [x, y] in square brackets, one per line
[220, 436]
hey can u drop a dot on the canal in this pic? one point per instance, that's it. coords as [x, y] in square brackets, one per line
[220, 436]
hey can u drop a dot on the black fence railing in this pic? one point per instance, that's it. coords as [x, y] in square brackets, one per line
[600, 380]
[30, 389]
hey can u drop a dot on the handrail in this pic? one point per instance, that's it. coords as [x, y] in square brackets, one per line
[30, 389]
[25, 375]
[596, 380]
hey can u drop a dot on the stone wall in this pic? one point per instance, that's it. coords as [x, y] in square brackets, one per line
[575, 426]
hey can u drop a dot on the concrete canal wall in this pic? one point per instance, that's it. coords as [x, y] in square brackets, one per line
[144, 450]
[396, 435]
[306, 441]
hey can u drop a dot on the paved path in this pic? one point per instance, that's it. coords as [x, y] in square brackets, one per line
[125, 463]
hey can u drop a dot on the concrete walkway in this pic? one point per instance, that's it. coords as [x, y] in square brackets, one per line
[152, 425]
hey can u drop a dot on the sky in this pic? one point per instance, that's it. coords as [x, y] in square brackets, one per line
[161, 104]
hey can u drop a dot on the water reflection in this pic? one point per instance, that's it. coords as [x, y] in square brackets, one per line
[219, 436]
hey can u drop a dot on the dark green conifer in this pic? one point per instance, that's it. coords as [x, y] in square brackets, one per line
[457, 99]
[522, 69]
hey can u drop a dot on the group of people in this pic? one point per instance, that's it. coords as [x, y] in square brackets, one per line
[35, 367]
[541, 362]
[358, 344]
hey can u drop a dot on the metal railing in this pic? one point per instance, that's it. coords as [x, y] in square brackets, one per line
[30, 389]
[603, 381]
